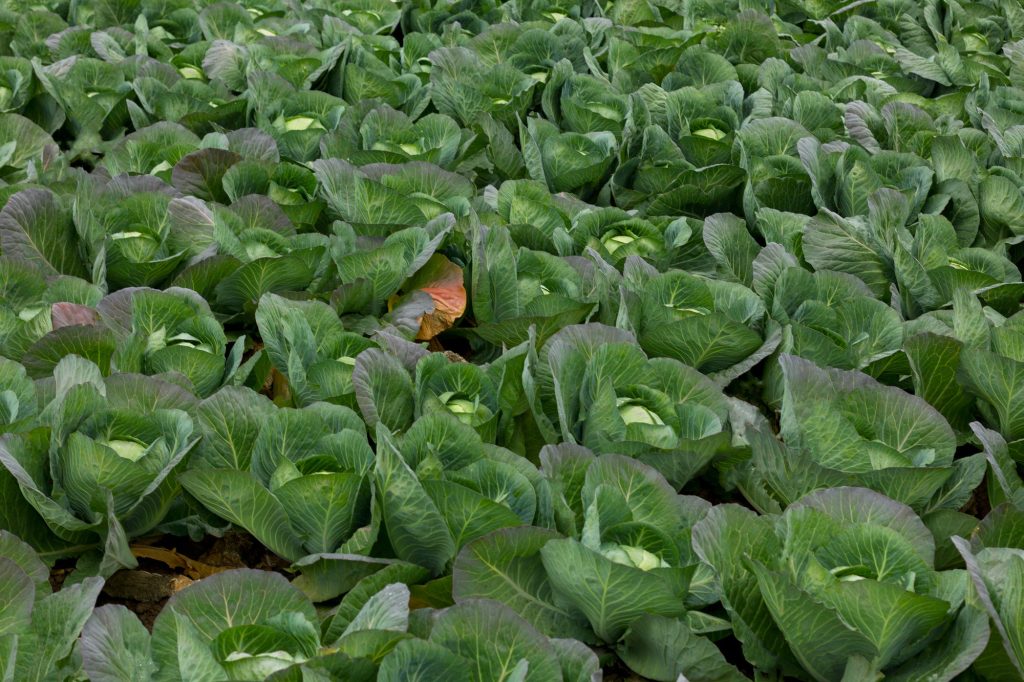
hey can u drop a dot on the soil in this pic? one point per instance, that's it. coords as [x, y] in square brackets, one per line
[168, 564]
[146, 611]
[57, 577]
[979, 505]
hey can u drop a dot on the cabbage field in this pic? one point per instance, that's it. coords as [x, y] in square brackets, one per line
[511, 340]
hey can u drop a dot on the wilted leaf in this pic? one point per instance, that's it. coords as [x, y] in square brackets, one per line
[442, 280]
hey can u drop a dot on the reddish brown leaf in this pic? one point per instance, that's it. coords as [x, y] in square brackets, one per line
[442, 281]
[65, 314]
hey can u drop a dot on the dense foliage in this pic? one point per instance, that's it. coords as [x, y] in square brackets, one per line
[673, 338]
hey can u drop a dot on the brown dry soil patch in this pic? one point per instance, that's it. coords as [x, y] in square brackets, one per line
[168, 564]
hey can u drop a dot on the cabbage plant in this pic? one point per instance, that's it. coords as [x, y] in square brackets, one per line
[100, 470]
[40, 627]
[598, 388]
[844, 428]
[304, 470]
[850, 567]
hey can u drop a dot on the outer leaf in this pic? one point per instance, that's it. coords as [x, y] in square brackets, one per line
[188, 656]
[998, 578]
[228, 599]
[57, 621]
[1000, 381]
[22, 554]
[415, 527]
[722, 539]
[497, 640]
[468, 513]
[950, 655]
[115, 646]
[92, 342]
[579, 663]
[860, 505]
[442, 281]
[386, 610]
[238, 497]
[230, 421]
[934, 361]
[417, 660]
[324, 507]
[35, 230]
[837, 416]
[818, 637]
[364, 590]
[611, 595]
[384, 390]
[832, 243]
[506, 566]
[894, 620]
[728, 240]
[17, 594]
[666, 649]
